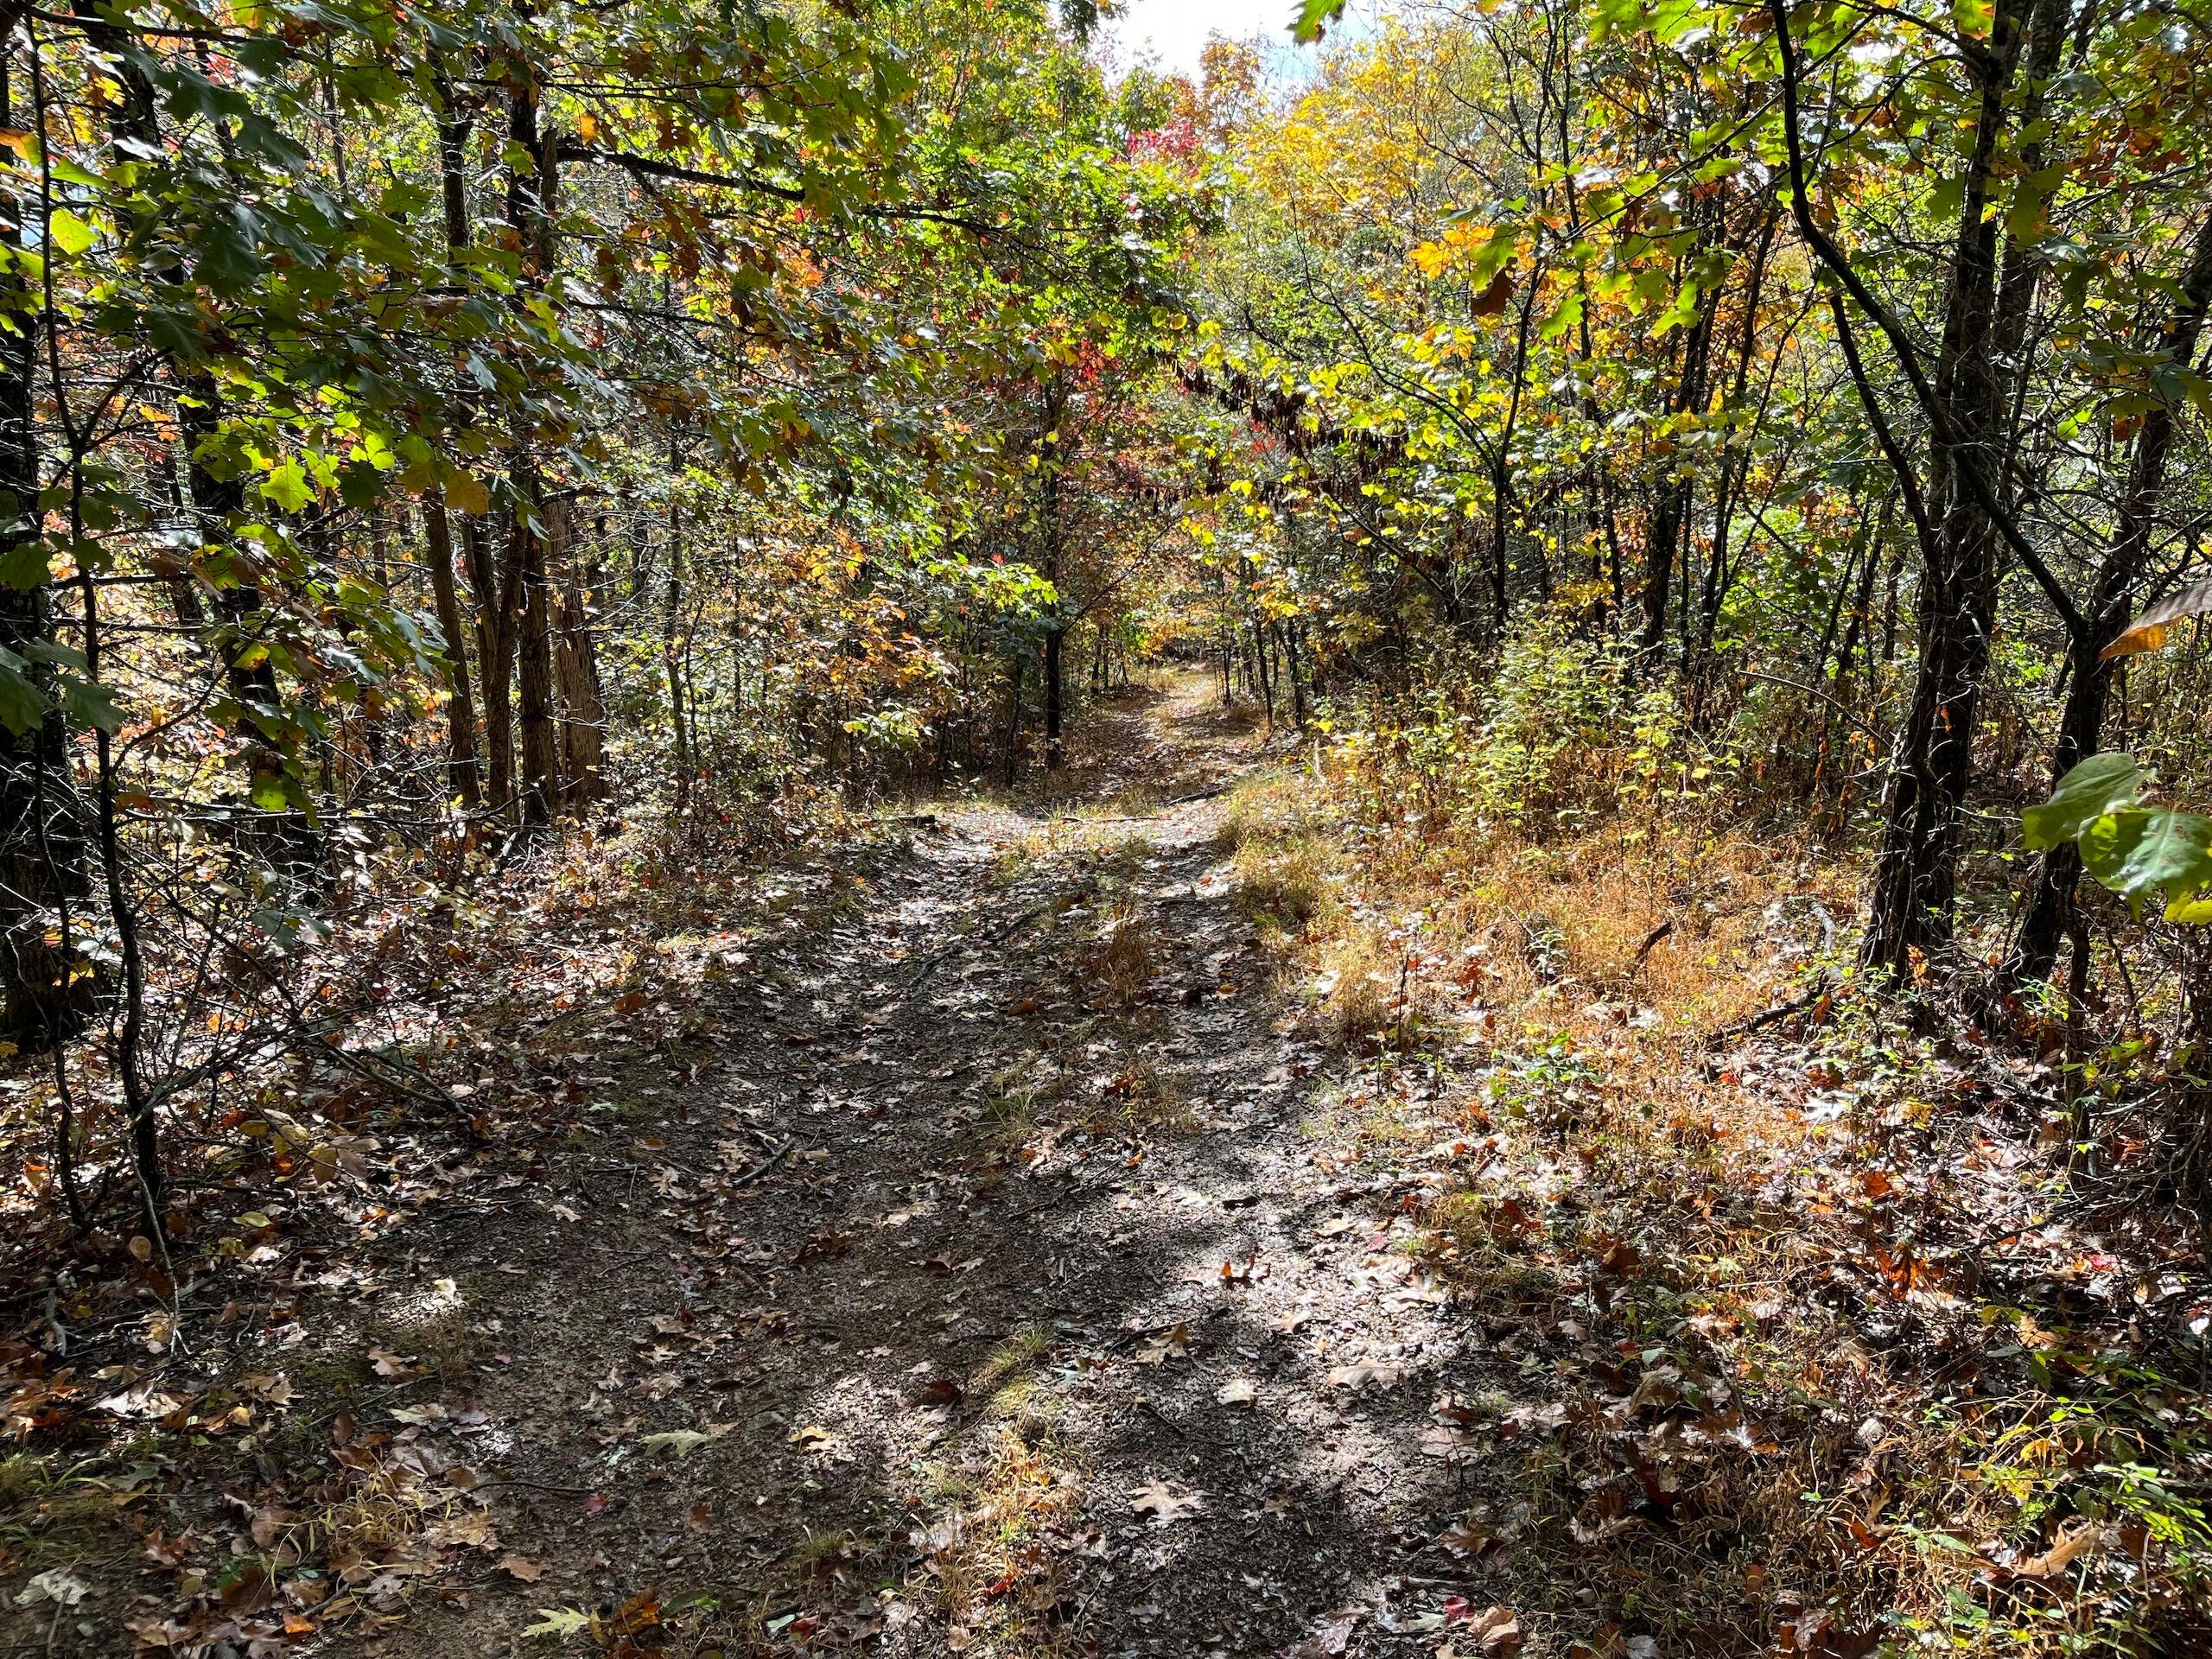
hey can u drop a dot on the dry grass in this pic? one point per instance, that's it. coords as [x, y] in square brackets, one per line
[1122, 956]
[1408, 931]
[441, 1330]
[48, 1515]
[1286, 865]
[994, 1558]
[1756, 1439]
[991, 1572]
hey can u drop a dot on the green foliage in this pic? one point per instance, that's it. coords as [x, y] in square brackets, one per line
[1559, 730]
[2142, 853]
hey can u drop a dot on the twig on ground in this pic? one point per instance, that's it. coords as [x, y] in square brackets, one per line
[536, 1486]
[766, 1164]
[1767, 1017]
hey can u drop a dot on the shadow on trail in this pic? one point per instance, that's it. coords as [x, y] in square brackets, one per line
[1054, 1330]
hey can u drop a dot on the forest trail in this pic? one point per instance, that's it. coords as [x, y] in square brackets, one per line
[1070, 1316]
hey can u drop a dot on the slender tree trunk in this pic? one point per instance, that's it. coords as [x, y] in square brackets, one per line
[461, 707]
[1670, 518]
[541, 752]
[499, 607]
[533, 183]
[1913, 902]
[2048, 915]
[1053, 458]
[41, 829]
[583, 717]
[671, 653]
[1260, 663]
[1016, 673]
[1053, 754]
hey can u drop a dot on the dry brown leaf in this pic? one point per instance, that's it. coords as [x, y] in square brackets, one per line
[1174, 1344]
[1165, 1503]
[2069, 1548]
[1496, 1632]
[1365, 1375]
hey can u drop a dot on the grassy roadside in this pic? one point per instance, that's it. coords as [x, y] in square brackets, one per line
[1818, 1348]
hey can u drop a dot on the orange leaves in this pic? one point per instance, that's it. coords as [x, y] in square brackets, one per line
[2150, 630]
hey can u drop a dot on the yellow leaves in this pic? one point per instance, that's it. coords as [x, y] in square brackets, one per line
[1460, 244]
[466, 493]
[68, 232]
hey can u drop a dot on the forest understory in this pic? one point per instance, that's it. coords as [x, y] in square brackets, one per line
[1098, 1223]
[859, 826]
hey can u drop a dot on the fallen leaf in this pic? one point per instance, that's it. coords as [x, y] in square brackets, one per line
[1164, 1503]
[1174, 1344]
[558, 1621]
[522, 1567]
[1237, 1391]
[1331, 1639]
[2070, 1548]
[1494, 1631]
[54, 1585]
[1358, 1378]
[1466, 1538]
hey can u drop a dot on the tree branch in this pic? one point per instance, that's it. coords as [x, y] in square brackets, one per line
[1838, 263]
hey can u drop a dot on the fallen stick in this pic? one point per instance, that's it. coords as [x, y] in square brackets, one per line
[767, 1163]
[1746, 1027]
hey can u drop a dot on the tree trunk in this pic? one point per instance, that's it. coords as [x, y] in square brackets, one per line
[1670, 519]
[42, 828]
[1052, 751]
[1054, 463]
[461, 707]
[533, 182]
[498, 605]
[583, 718]
[1015, 674]
[1912, 905]
[2048, 916]
[540, 738]
[671, 655]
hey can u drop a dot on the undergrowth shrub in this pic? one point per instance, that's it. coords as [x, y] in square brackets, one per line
[1559, 730]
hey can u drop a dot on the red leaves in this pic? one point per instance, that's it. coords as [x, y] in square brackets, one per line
[939, 1393]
